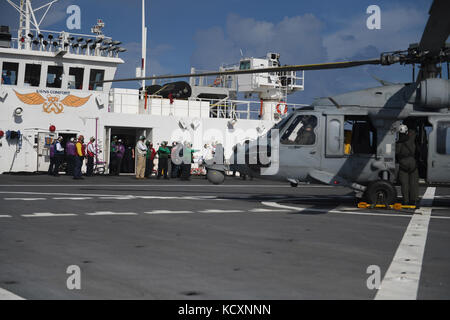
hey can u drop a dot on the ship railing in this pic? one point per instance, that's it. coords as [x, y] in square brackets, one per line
[135, 103]
[228, 82]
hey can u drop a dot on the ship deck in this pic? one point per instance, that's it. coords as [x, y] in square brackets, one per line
[158, 239]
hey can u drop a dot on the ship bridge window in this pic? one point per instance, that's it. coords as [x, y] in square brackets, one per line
[54, 76]
[96, 75]
[32, 75]
[245, 65]
[9, 73]
[75, 78]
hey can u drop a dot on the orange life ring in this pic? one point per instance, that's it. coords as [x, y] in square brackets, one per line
[285, 107]
[217, 81]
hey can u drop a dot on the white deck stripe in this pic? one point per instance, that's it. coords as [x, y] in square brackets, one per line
[5, 216]
[300, 209]
[220, 211]
[72, 198]
[82, 196]
[6, 295]
[165, 185]
[401, 280]
[24, 199]
[167, 212]
[110, 213]
[48, 214]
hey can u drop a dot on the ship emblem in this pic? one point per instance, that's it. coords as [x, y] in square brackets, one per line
[52, 104]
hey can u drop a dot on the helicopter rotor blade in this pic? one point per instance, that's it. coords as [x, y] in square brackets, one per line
[437, 28]
[318, 66]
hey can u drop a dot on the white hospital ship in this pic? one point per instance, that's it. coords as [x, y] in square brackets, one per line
[50, 87]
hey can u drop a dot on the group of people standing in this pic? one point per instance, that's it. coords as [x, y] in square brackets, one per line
[171, 160]
[174, 161]
[75, 152]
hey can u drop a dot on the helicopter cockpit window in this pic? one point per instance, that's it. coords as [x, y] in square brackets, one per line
[301, 131]
[443, 138]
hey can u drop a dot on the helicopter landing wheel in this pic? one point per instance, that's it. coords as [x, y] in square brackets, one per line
[380, 192]
[294, 185]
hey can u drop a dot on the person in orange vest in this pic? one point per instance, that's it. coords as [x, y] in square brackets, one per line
[90, 153]
[80, 154]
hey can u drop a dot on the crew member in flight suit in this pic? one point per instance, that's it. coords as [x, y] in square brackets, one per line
[408, 175]
[307, 136]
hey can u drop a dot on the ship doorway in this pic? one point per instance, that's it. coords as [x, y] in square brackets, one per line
[44, 140]
[129, 137]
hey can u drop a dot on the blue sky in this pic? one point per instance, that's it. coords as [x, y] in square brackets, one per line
[207, 33]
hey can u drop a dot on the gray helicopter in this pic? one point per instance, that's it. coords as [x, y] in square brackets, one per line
[349, 139]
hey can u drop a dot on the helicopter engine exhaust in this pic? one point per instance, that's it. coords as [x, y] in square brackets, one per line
[434, 93]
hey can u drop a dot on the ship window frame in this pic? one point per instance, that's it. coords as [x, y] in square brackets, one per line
[28, 80]
[80, 82]
[52, 85]
[92, 86]
[245, 65]
[16, 76]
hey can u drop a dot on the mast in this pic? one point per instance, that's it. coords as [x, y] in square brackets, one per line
[28, 18]
[144, 45]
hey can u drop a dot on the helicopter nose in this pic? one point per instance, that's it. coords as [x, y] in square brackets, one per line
[215, 176]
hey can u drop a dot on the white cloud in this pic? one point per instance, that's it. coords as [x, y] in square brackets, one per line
[297, 39]
[304, 39]
[399, 28]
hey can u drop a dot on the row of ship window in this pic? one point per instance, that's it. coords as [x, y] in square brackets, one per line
[10, 71]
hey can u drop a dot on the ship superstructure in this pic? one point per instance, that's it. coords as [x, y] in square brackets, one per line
[50, 87]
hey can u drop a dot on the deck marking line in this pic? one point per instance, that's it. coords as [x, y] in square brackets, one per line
[402, 278]
[105, 196]
[6, 295]
[166, 185]
[219, 211]
[167, 212]
[300, 209]
[110, 213]
[48, 214]
[72, 198]
[24, 199]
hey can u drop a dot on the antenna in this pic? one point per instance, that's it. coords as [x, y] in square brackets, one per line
[27, 17]
[144, 45]
[97, 29]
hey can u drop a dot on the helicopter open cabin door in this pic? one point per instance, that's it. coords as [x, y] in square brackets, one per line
[439, 152]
